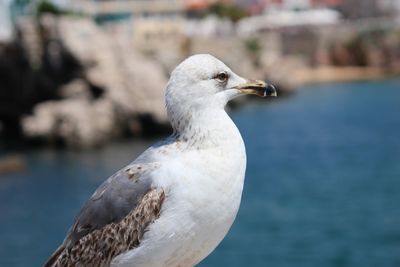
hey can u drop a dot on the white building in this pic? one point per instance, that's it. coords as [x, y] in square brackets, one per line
[296, 4]
[287, 18]
[145, 22]
[392, 5]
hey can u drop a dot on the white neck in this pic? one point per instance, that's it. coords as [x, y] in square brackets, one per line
[203, 128]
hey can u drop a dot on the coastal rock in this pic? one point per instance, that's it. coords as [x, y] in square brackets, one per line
[130, 87]
[74, 122]
[134, 83]
[77, 88]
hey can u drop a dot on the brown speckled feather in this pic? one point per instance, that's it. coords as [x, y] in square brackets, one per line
[99, 247]
[113, 202]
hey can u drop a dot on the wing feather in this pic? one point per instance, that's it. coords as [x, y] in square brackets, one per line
[113, 220]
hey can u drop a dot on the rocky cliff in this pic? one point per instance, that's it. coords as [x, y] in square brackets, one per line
[73, 83]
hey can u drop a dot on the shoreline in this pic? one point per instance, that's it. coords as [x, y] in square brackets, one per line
[331, 74]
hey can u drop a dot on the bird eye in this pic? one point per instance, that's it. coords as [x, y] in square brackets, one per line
[222, 77]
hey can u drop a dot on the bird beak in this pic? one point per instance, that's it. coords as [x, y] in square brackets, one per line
[257, 87]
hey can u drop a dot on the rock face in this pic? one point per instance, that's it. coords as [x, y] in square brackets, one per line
[133, 82]
[117, 91]
[75, 122]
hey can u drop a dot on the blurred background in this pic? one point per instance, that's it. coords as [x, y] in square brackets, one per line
[81, 95]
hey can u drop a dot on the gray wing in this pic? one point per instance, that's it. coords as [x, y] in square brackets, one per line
[113, 200]
[119, 196]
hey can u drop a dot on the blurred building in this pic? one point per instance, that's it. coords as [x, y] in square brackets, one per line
[391, 7]
[351, 9]
[192, 5]
[356, 9]
[276, 19]
[326, 3]
[146, 22]
[300, 4]
[296, 4]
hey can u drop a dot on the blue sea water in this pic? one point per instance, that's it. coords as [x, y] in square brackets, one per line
[322, 185]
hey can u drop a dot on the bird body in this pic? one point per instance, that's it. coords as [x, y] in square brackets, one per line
[175, 203]
[194, 221]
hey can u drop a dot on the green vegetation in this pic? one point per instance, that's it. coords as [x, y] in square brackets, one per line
[231, 11]
[252, 45]
[253, 48]
[48, 7]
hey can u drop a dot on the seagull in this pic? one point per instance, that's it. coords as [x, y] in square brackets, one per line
[175, 203]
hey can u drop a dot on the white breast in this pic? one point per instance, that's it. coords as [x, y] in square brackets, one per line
[204, 188]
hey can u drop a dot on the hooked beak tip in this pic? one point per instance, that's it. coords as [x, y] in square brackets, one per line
[270, 90]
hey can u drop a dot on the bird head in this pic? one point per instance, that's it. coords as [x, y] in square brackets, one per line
[205, 78]
[203, 81]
